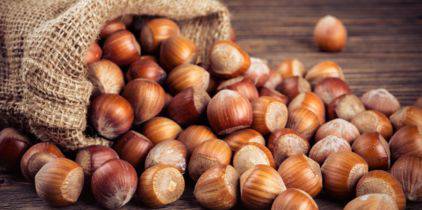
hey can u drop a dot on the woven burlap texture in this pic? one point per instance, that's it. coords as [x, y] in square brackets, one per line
[44, 87]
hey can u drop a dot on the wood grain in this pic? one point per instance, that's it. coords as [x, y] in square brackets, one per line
[384, 49]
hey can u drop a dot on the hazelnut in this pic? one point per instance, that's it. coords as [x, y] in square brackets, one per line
[341, 171]
[258, 71]
[323, 70]
[122, 48]
[372, 201]
[194, 135]
[330, 34]
[269, 114]
[259, 186]
[228, 111]
[111, 27]
[291, 67]
[378, 181]
[408, 115]
[106, 77]
[244, 86]
[146, 97]
[285, 143]
[228, 60]
[12, 147]
[338, 127]
[374, 149]
[273, 93]
[252, 154]
[217, 188]
[330, 88]
[160, 185]
[93, 53]
[381, 100]
[326, 146]
[303, 121]
[159, 129]
[292, 86]
[408, 171]
[293, 198]
[301, 172]
[60, 182]
[373, 121]
[114, 183]
[169, 152]
[186, 76]
[93, 157]
[147, 69]
[175, 51]
[133, 147]
[238, 139]
[406, 141]
[274, 79]
[346, 107]
[207, 155]
[187, 106]
[311, 102]
[31, 163]
[157, 30]
[111, 115]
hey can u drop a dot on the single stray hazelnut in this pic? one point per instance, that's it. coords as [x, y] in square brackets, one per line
[330, 34]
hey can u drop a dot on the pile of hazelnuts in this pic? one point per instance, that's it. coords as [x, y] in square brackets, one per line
[242, 132]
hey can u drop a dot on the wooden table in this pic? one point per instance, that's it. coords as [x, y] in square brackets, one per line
[384, 49]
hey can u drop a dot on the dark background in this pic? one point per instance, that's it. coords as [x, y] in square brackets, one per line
[384, 49]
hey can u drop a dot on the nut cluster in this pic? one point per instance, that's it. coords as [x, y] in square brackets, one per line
[240, 131]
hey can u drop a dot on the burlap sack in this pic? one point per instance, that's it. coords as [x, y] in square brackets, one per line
[44, 88]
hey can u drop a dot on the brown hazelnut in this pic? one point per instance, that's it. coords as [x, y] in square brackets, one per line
[330, 34]
[147, 69]
[330, 88]
[273, 93]
[373, 121]
[291, 67]
[374, 149]
[93, 54]
[217, 188]
[258, 71]
[186, 76]
[228, 60]
[293, 198]
[408, 115]
[341, 171]
[228, 111]
[187, 106]
[408, 171]
[285, 143]
[146, 97]
[252, 154]
[326, 146]
[244, 86]
[301, 172]
[155, 31]
[194, 135]
[292, 86]
[12, 147]
[406, 141]
[378, 181]
[269, 114]
[311, 102]
[346, 107]
[169, 152]
[111, 27]
[337, 127]
[106, 77]
[111, 115]
[323, 70]
[133, 147]
[93, 157]
[238, 139]
[159, 129]
[372, 201]
[380, 100]
[207, 155]
[175, 51]
[303, 121]
[122, 48]
[160, 185]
